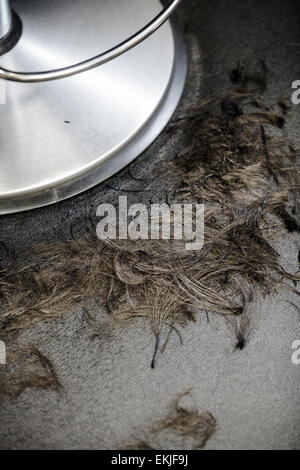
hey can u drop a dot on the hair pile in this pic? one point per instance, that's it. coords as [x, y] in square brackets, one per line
[184, 423]
[26, 367]
[241, 165]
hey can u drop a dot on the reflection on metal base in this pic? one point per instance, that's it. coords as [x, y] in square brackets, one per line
[12, 37]
[60, 138]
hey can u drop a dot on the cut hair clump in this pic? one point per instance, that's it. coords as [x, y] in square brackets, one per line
[243, 168]
[26, 367]
[184, 423]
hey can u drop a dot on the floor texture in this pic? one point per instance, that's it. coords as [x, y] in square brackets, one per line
[110, 396]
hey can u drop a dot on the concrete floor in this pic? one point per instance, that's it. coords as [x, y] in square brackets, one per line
[110, 394]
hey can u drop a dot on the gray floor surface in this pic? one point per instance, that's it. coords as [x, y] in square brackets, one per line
[110, 395]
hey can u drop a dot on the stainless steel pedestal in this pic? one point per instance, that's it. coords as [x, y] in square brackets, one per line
[59, 138]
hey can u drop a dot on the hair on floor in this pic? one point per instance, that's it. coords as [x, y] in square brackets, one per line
[188, 424]
[240, 163]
